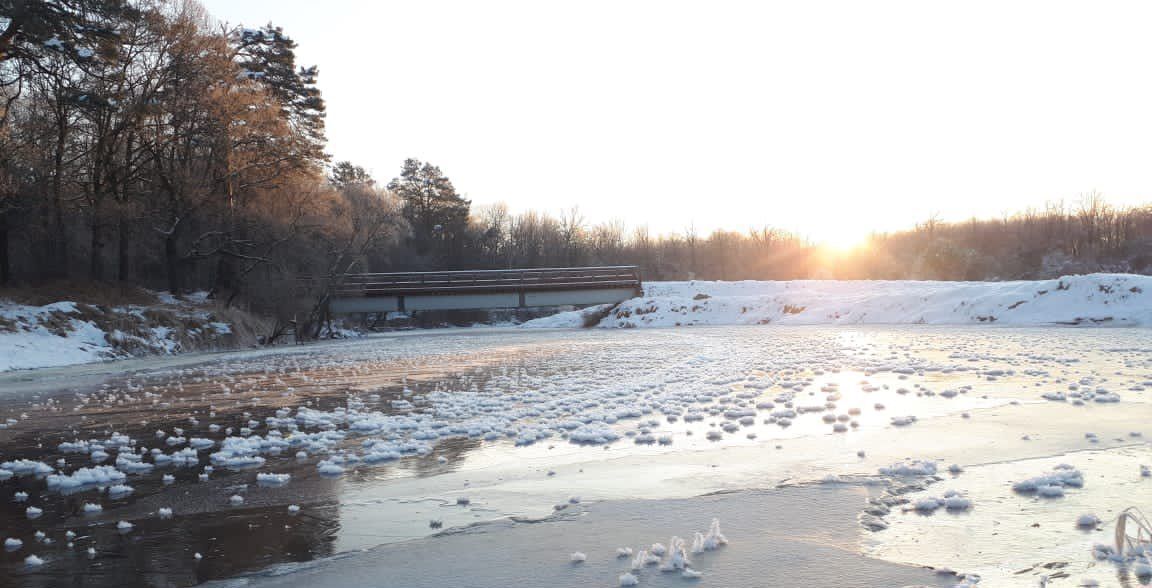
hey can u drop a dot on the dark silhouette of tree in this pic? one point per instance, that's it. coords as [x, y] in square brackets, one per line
[437, 215]
[344, 174]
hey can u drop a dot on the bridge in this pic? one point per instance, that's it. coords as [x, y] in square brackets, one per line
[484, 289]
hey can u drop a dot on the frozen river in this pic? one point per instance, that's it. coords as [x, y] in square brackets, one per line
[479, 457]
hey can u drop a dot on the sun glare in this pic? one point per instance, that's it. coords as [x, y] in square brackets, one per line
[842, 241]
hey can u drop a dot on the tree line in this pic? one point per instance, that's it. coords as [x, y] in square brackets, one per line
[143, 142]
[1087, 236]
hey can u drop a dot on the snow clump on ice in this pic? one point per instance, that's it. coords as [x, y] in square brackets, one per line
[914, 467]
[1052, 484]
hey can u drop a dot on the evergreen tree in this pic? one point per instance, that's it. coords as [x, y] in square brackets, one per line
[32, 27]
[345, 174]
[437, 214]
[268, 56]
[31, 31]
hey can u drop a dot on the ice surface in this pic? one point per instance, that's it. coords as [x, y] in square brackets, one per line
[505, 553]
[501, 408]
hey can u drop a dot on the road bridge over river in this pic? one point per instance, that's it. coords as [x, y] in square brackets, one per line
[484, 289]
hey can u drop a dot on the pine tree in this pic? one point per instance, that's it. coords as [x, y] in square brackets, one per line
[268, 56]
[345, 174]
[76, 27]
[33, 32]
[437, 214]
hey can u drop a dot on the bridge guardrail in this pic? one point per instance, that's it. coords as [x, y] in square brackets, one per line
[454, 282]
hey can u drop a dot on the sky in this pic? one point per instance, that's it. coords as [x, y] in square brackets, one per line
[831, 119]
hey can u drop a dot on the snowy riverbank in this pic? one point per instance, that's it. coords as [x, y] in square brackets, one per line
[68, 333]
[1093, 299]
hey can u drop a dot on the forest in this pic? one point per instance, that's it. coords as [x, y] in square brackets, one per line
[147, 143]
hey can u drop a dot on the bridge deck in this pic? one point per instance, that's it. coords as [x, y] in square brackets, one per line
[485, 289]
[459, 282]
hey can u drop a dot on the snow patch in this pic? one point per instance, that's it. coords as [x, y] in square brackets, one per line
[1088, 300]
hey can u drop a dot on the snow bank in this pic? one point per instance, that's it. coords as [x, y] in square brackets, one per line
[29, 341]
[1094, 299]
[572, 320]
[69, 333]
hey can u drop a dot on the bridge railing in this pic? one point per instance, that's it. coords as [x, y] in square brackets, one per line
[384, 284]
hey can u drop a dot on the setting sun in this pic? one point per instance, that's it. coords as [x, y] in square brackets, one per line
[843, 241]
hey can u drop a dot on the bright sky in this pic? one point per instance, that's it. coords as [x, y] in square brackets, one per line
[828, 118]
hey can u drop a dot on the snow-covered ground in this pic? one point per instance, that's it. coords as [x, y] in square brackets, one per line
[68, 333]
[1088, 300]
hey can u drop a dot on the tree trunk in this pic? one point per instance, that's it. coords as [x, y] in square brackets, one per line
[59, 240]
[122, 251]
[96, 260]
[59, 247]
[172, 263]
[5, 262]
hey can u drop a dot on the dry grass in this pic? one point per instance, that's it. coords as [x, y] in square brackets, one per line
[1133, 532]
[57, 322]
[591, 317]
[94, 293]
[247, 328]
[132, 331]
